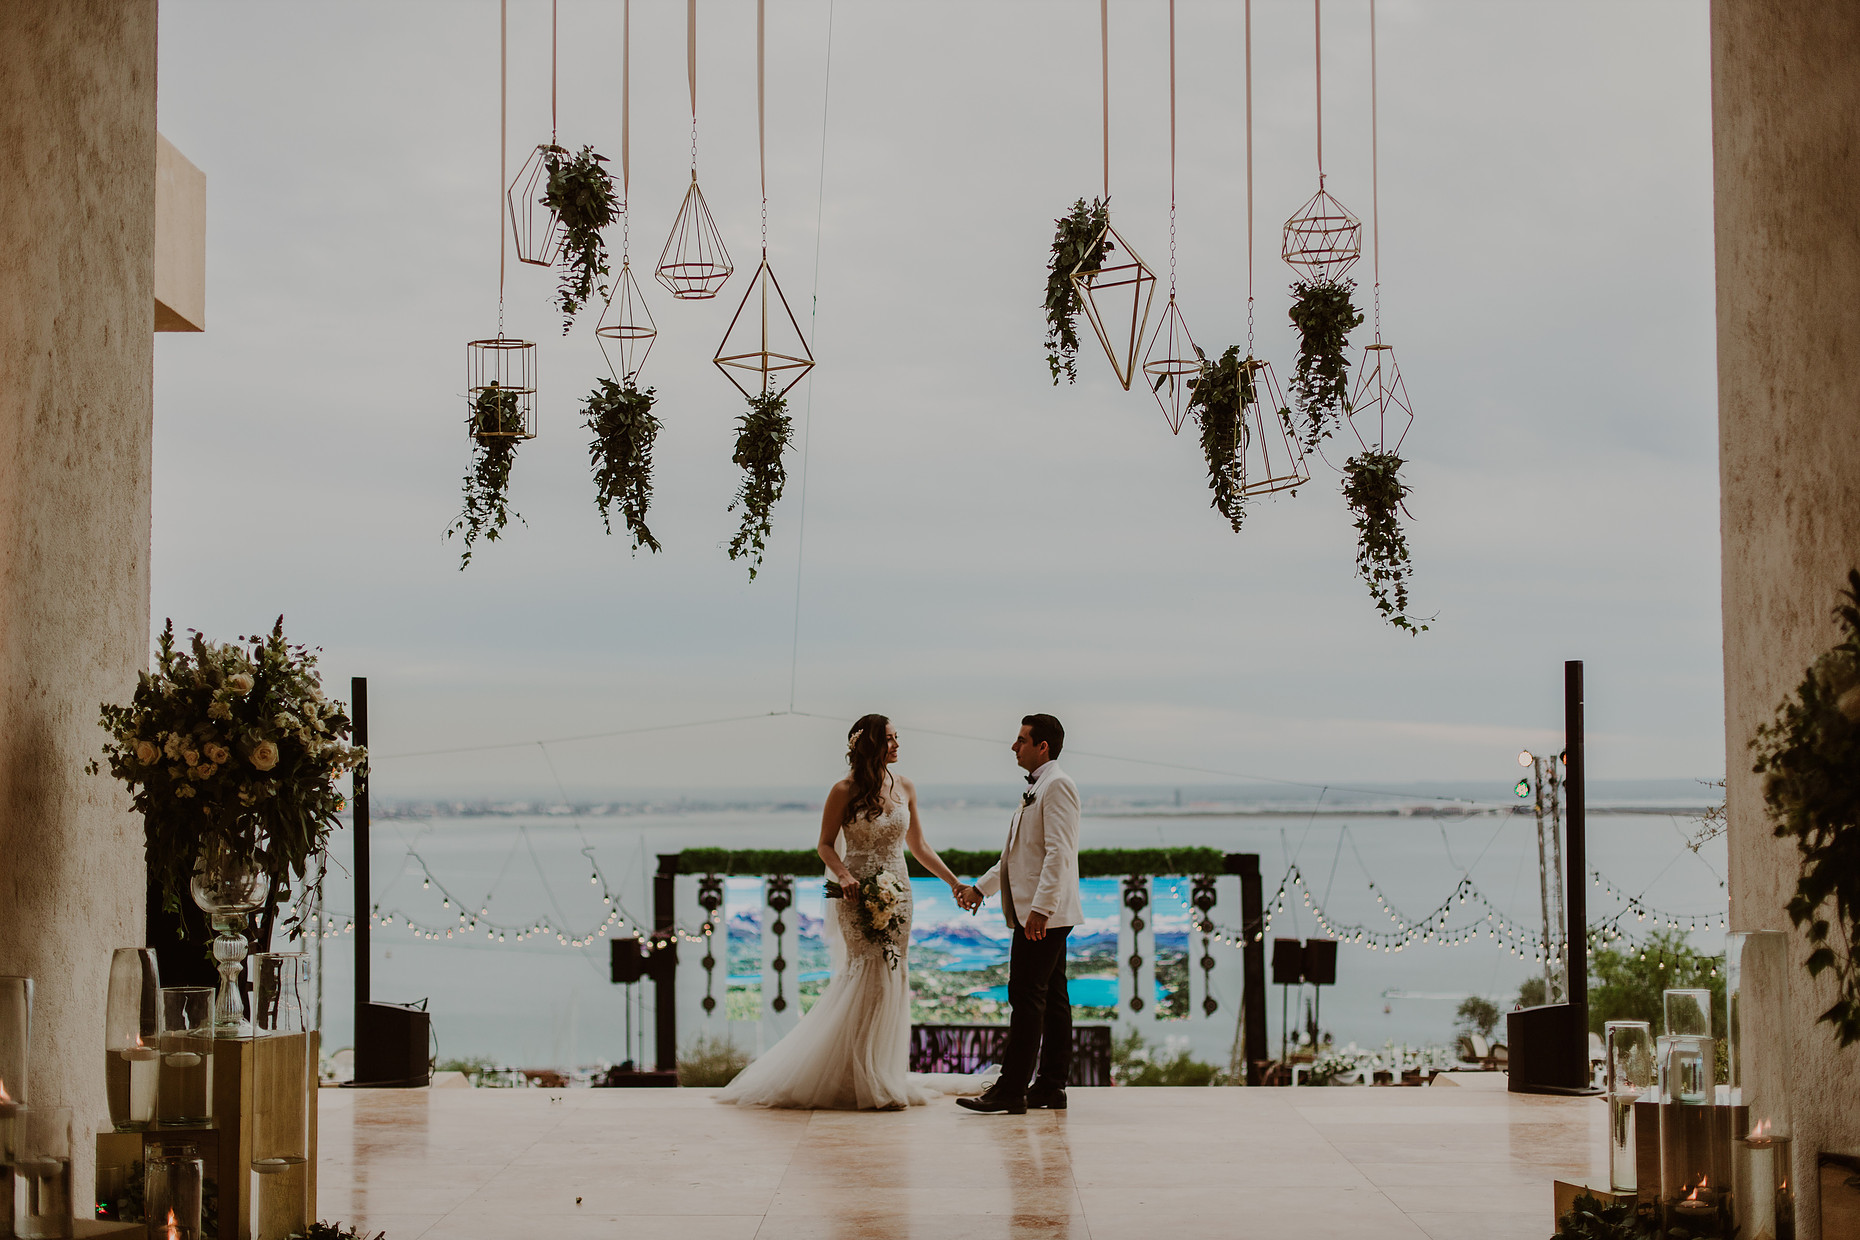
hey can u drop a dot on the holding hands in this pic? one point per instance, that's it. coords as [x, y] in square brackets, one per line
[967, 898]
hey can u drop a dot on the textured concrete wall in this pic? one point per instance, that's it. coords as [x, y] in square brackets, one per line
[1786, 123]
[77, 209]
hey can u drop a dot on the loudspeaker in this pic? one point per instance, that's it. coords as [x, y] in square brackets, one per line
[1547, 1049]
[626, 963]
[1321, 962]
[1288, 962]
[391, 1045]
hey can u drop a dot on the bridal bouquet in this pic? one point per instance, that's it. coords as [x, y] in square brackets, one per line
[880, 900]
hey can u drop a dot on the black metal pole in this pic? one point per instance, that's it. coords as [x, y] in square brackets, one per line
[358, 812]
[665, 977]
[1252, 962]
[1576, 882]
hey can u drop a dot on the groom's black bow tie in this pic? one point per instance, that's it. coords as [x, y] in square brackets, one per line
[1031, 778]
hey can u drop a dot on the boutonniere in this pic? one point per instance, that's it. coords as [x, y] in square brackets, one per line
[1026, 798]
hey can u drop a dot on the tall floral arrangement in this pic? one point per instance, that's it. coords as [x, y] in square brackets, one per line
[232, 749]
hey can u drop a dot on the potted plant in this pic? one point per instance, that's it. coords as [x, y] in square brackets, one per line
[624, 426]
[1373, 488]
[1218, 398]
[1808, 755]
[581, 194]
[1324, 316]
[497, 426]
[1079, 244]
[762, 437]
[231, 754]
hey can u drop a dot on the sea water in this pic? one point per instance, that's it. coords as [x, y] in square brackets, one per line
[538, 1003]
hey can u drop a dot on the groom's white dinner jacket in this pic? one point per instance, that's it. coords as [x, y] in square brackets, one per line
[1041, 858]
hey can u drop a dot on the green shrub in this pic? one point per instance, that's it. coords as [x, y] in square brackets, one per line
[710, 1063]
[1132, 1063]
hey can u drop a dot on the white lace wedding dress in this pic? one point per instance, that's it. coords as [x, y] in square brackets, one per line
[851, 1050]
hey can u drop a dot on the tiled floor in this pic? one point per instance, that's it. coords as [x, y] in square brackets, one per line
[1445, 1162]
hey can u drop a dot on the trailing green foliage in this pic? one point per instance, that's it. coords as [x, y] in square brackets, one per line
[1373, 488]
[231, 749]
[762, 436]
[1324, 316]
[1625, 1220]
[1809, 758]
[582, 196]
[624, 426]
[1079, 244]
[496, 423]
[1218, 397]
[969, 863]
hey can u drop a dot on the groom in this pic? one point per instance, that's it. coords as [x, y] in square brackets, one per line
[1038, 878]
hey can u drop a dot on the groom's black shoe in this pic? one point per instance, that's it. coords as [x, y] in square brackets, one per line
[1053, 1099]
[995, 1102]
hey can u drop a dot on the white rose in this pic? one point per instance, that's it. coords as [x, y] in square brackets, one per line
[264, 755]
[240, 683]
[217, 753]
[146, 753]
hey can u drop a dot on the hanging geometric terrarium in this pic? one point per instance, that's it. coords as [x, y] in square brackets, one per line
[534, 226]
[694, 263]
[1117, 301]
[1322, 238]
[1272, 459]
[500, 389]
[626, 330]
[1379, 410]
[1170, 363]
[769, 344]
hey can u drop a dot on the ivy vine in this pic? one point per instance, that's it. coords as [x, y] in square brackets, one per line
[1079, 244]
[624, 426]
[762, 437]
[496, 423]
[1324, 316]
[581, 194]
[1373, 488]
[1809, 758]
[1218, 397]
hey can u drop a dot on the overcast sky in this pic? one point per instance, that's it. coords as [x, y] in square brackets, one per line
[978, 543]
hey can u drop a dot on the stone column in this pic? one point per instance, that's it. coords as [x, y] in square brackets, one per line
[77, 209]
[1786, 143]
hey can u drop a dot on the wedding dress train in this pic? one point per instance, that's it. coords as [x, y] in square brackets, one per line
[851, 1050]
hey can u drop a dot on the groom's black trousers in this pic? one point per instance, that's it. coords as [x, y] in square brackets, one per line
[1040, 1028]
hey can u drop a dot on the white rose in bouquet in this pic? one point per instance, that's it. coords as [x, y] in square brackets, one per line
[264, 755]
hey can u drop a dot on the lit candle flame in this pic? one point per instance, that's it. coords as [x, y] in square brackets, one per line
[1703, 1181]
[1759, 1130]
[4, 1096]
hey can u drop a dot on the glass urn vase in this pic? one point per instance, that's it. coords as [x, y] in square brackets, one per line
[228, 885]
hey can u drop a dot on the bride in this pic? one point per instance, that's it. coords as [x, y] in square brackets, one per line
[851, 1050]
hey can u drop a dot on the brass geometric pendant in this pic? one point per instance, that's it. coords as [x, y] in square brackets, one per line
[1271, 458]
[535, 226]
[1170, 362]
[626, 329]
[1322, 238]
[769, 345]
[1379, 412]
[1117, 301]
[694, 263]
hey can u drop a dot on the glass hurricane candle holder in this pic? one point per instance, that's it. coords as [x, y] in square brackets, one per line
[280, 1062]
[1763, 1201]
[1693, 1193]
[1756, 985]
[131, 1030]
[1688, 1013]
[172, 1183]
[1629, 1077]
[184, 1089]
[15, 1043]
[42, 1176]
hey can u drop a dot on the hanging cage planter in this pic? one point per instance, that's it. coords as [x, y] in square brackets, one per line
[534, 227]
[500, 385]
[1322, 238]
[1379, 410]
[694, 263]
[626, 330]
[1272, 459]
[1170, 363]
[1117, 301]
[768, 345]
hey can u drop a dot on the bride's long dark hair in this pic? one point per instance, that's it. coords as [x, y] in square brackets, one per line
[866, 745]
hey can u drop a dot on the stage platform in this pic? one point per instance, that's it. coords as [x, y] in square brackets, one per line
[1446, 1162]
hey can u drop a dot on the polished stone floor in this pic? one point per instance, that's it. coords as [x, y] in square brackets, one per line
[1450, 1163]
